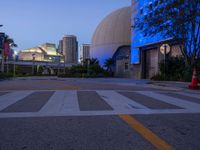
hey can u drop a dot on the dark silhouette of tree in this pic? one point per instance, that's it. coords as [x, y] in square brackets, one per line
[108, 64]
[178, 19]
[10, 41]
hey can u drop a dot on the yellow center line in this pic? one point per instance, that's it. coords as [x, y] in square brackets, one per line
[155, 140]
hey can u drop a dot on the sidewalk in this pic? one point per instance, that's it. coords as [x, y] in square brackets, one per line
[180, 86]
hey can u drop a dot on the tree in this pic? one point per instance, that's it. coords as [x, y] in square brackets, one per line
[108, 64]
[93, 61]
[178, 19]
[9, 44]
[10, 41]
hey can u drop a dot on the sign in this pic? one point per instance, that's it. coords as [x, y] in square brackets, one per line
[6, 48]
[165, 49]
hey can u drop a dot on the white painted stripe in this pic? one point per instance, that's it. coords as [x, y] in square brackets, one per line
[70, 102]
[98, 113]
[119, 102]
[190, 95]
[54, 104]
[12, 98]
[61, 102]
[172, 100]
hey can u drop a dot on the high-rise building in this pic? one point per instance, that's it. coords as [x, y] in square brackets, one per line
[60, 47]
[84, 52]
[70, 49]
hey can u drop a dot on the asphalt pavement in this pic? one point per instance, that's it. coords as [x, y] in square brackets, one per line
[97, 114]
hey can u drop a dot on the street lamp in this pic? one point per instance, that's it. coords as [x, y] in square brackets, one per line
[14, 59]
[33, 55]
[2, 39]
[88, 67]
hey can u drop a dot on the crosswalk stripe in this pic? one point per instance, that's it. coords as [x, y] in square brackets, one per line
[171, 100]
[12, 98]
[61, 101]
[119, 102]
[54, 103]
[190, 95]
[65, 103]
[70, 102]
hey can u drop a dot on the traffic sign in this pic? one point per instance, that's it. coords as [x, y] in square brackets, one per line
[165, 49]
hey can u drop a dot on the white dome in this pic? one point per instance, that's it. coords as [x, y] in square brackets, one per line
[114, 31]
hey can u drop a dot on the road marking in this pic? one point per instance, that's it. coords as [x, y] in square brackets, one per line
[171, 100]
[70, 102]
[11, 98]
[61, 102]
[120, 102]
[190, 95]
[54, 103]
[65, 103]
[155, 140]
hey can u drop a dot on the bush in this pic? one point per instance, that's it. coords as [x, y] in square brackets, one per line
[82, 71]
[6, 75]
[175, 69]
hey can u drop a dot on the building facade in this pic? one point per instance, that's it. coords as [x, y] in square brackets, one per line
[46, 52]
[112, 33]
[70, 49]
[146, 51]
[84, 52]
[60, 47]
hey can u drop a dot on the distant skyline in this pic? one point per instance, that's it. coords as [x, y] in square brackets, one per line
[34, 22]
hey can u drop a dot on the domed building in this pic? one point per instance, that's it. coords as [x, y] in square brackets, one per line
[112, 39]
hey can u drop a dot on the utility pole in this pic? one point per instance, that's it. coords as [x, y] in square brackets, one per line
[165, 50]
[88, 67]
[33, 55]
[2, 39]
[14, 67]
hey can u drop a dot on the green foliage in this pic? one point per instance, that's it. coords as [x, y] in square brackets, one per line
[175, 69]
[10, 41]
[40, 70]
[174, 18]
[5, 76]
[90, 68]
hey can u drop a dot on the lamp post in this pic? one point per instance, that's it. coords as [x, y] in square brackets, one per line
[2, 39]
[88, 67]
[58, 69]
[165, 50]
[33, 55]
[14, 68]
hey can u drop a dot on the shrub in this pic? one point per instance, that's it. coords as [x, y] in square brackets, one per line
[6, 75]
[175, 69]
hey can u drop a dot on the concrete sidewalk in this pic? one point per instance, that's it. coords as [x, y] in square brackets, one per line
[181, 86]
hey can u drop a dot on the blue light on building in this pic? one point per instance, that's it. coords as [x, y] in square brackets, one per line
[138, 39]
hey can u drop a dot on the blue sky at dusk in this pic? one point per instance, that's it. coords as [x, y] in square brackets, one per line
[33, 22]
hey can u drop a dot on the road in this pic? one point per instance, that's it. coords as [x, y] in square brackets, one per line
[96, 114]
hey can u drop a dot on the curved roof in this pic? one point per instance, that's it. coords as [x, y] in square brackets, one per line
[114, 31]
